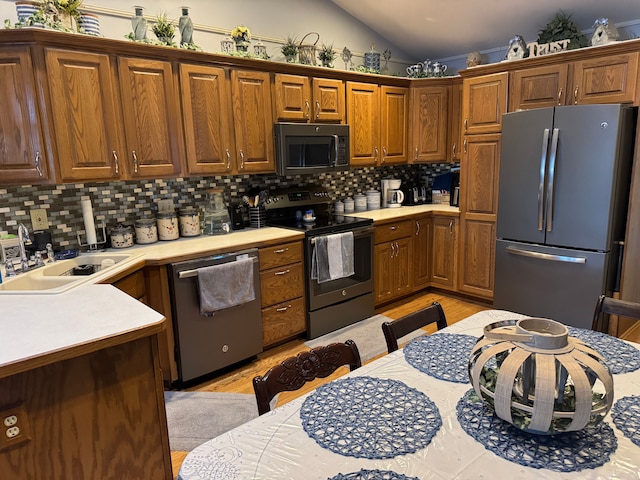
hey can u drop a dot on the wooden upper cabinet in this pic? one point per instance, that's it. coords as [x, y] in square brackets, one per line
[484, 103]
[363, 117]
[430, 121]
[304, 99]
[394, 124]
[22, 152]
[206, 110]
[151, 117]
[538, 87]
[85, 120]
[479, 169]
[253, 121]
[610, 79]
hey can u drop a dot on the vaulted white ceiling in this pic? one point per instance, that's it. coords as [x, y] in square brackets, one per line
[445, 28]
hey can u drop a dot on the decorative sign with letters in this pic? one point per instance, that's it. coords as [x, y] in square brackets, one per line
[538, 49]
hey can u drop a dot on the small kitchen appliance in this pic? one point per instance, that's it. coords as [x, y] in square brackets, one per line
[391, 194]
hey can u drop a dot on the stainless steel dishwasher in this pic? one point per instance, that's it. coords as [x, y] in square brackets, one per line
[205, 344]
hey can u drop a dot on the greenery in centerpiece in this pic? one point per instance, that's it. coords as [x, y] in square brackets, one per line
[164, 29]
[561, 27]
[327, 55]
[241, 35]
[290, 49]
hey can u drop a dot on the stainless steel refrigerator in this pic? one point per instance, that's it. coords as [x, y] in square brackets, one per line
[562, 207]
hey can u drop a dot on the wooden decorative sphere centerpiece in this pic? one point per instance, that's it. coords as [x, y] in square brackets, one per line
[538, 378]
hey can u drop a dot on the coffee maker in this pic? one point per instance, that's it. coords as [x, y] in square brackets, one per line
[392, 196]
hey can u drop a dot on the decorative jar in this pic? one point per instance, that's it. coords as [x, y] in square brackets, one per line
[189, 221]
[168, 226]
[146, 230]
[121, 236]
[538, 378]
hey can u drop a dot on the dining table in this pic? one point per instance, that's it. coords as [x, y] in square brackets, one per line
[411, 414]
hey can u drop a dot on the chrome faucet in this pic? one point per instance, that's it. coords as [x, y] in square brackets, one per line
[23, 236]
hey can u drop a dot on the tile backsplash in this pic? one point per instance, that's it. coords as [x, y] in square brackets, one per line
[124, 201]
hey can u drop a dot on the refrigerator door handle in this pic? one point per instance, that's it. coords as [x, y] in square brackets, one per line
[545, 256]
[543, 164]
[550, 179]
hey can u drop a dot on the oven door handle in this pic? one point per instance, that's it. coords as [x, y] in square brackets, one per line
[357, 233]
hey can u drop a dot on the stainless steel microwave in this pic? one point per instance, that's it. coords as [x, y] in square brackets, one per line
[303, 148]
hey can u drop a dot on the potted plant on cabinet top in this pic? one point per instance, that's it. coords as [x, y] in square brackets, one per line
[561, 27]
[290, 49]
[241, 35]
[327, 55]
[164, 29]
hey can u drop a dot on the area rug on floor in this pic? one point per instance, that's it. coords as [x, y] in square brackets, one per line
[367, 334]
[195, 417]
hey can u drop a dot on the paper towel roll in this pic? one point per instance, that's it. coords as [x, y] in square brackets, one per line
[89, 225]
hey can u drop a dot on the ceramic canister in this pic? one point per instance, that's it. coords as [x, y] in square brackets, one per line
[146, 231]
[349, 205]
[189, 222]
[373, 200]
[121, 236]
[168, 226]
[360, 202]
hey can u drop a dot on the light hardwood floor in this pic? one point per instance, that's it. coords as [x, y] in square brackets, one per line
[239, 380]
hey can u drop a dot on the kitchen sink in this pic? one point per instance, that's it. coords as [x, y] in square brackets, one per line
[62, 275]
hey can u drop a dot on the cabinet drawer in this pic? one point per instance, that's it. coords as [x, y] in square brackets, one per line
[282, 321]
[393, 231]
[282, 283]
[278, 255]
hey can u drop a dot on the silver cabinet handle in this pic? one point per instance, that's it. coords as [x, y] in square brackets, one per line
[384, 154]
[241, 159]
[560, 96]
[228, 158]
[454, 150]
[466, 125]
[375, 149]
[545, 256]
[417, 227]
[397, 249]
[393, 249]
[135, 161]
[282, 250]
[37, 161]
[575, 95]
[283, 272]
[416, 155]
[318, 109]
[283, 309]
[307, 113]
[543, 166]
[464, 145]
[115, 159]
[550, 179]
[450, 227]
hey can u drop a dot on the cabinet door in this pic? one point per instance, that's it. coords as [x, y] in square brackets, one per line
[422, 246]
[253, 121]
[484, 103]
[22, 151]
[363, 116]
[403, 267]
[383, 271]
[477, 255]
[455, 121]
[538, 87]
[430, 111]
[611, 79]
[328, 100]
[206, 110]
[86, 121]
[443, 251]
[293, 98]
[152, 125]
[394, 124]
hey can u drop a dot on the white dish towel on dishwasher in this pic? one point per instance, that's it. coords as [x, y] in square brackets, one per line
[332, 257]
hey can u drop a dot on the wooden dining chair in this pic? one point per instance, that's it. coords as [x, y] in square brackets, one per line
[294, 372]
[612, 306]
[399, 328]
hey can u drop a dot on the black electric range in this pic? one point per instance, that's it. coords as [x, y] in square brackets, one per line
[309, 210]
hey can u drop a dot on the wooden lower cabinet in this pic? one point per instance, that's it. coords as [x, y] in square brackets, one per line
[443, 252]
[422, 248]
[392, 261]
[477, 256]
[282, 292]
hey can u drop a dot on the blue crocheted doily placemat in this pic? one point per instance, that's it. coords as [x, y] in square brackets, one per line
[567, 452]
[369, 417]
[620, 356]
[372, 475]
[441, 355]
[626, 416]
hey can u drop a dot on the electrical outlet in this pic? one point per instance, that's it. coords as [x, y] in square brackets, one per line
[165, 206]
[39, 219]
[14, 428]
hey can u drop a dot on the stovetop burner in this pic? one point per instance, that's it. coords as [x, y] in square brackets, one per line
[287, 208]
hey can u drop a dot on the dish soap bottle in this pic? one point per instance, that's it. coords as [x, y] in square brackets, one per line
[216, 216]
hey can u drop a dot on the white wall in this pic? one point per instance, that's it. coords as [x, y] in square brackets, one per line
[269, 21]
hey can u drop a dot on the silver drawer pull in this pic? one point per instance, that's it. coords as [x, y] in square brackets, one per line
[283, 309]
[283, 273]
[393, 227]
[282, 250]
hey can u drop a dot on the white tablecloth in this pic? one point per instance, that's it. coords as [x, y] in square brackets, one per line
[275, 446]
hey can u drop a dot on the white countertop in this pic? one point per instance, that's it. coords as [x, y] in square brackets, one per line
[38, 325]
